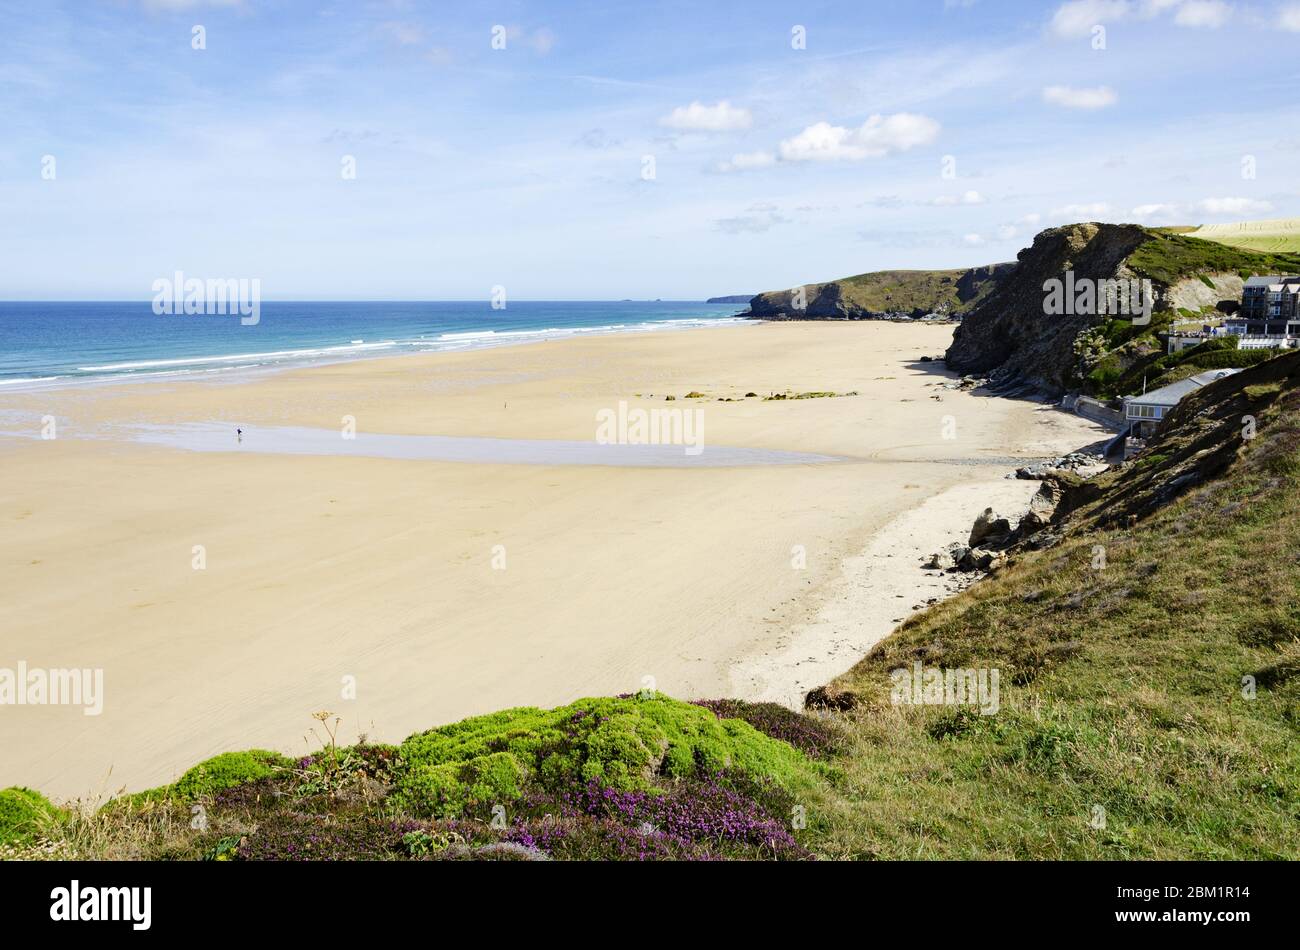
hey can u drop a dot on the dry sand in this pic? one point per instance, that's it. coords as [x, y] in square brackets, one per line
[322, 568]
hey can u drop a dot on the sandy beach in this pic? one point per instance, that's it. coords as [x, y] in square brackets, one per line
[443, 589]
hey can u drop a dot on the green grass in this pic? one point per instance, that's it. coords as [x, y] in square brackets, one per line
[1160, 369]
[1172, 257]
[1122, 686]
[24, 815]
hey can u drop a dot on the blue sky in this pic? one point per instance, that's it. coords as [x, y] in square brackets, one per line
[526, 167]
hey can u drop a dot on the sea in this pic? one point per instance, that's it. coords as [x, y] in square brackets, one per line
[56, 344]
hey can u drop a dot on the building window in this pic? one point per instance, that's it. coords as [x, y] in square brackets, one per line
[1146, 412]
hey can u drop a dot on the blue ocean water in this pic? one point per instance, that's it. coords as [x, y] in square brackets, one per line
[62, 343]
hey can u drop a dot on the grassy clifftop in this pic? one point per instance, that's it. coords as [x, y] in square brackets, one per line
[1170, 256]
[912, 292]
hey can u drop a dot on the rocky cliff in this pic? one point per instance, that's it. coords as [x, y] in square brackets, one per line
[1011, 338]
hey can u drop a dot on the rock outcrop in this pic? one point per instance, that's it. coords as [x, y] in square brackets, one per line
[1010, 338]
[883, 294]
[1196, 294]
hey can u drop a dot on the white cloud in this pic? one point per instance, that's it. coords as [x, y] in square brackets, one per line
[1288, 18]
[1233, 206]
[1078, 17]
[974, 240]
[697, 117]
[1152, 8]
[744, 161]
[969, 198]
[1098, 97]
[875, 138]
[822, 141]
[1208, 14]
[1155, 212]
[1082, 212]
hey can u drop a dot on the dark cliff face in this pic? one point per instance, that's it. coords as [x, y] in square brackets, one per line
[822, 302]
[1010, 338]
[973, 281]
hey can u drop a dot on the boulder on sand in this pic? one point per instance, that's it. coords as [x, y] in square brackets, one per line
[989, 529]
[947, 559]
[977, 559]
[940, 561]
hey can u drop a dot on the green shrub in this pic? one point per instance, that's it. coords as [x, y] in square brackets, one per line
[449, 789]
[225, 771]
[1106, 373]
[1228, 359]
[636, 742]
[22, 812]
[1262, 391]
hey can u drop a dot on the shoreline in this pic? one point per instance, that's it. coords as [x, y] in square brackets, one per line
[320, 567]
[876, 591]
[330, 354]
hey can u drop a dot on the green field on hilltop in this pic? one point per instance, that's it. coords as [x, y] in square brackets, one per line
[1277, 236]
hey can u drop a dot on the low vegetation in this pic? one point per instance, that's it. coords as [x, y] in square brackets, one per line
[1172, 257]
[778, 397]
[25, 815]
[632, 777]
[1141, 363]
